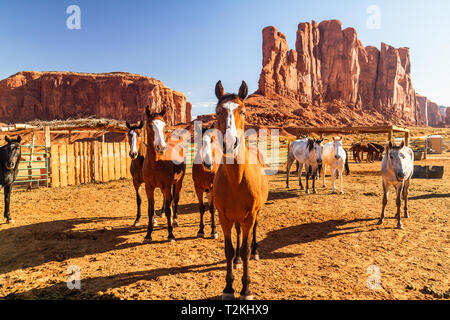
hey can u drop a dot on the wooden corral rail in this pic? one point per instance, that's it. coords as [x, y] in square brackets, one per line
[84, 162]
[390, 130]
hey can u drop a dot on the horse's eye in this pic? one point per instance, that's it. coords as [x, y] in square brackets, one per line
[242, 113]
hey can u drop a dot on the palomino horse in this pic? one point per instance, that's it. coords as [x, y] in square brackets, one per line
[397, 168]
[136, 142]
[9, 167]
[206, 164]
[163, 168]
[307, 152]
[240, 186]
[335, 156]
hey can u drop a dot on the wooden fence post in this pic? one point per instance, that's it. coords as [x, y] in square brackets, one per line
[95, 162]
[54, 157]
[105, 169]
[63, 165]
[110, 147]
[70, 165]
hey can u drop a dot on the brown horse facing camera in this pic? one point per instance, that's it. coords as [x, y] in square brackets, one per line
[137, 151]
[206, 164]
[163, 168]
[240, 186]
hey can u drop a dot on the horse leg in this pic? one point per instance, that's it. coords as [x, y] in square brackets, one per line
[176, 188]
[7, 191]
[399, 204]
[214, 234]
[237, 259]
[149, 190]
[288, 170]
[138, 202]
[255, 254]
[405, 197]
[308, 174]
[314, 181]
[201, 232]
[341, 179]
[324, 167]
[228, 292]
[167, 206]
[333, 179]
[246, 294]
[300, 169]
[385, 201]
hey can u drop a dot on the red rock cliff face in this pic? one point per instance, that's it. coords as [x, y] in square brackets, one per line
[447, 114]
[422, 113]
[60, 95]
[331, 64]
[435, 117]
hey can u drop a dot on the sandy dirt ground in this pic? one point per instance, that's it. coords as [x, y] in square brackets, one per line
[312, 246]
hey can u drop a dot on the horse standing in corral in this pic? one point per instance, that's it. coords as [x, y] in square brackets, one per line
[376, 151]
[240, 185]
[136, 142]
[397, 168]
[307, 152]
[163, 168]
[9, 167]
[336, 157]
[206, 164]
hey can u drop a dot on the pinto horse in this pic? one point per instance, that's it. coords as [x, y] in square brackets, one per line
[336, 157]
[307, 152]
[9, 167]
[136, 142]
[163, 168]
[206, 164]
[240, 185]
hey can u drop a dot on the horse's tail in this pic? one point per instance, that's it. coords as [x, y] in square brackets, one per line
[347, 168]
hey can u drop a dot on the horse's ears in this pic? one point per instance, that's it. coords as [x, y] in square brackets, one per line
[19, 138]
[402, 144]
[243, 91]
[213, 126]
[163, 112]
[141, 124]
[219, 90]
[8, 139]
[128, 125]
[148, 112]
[389, 145]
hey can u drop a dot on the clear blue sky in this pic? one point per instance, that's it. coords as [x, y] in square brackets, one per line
[191, 44]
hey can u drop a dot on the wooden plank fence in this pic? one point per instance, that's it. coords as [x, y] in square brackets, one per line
[85, 162]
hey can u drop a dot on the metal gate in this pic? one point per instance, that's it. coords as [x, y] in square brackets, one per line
[34, 166]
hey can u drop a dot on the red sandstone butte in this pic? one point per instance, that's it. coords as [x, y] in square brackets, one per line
[31, 95]
[330, 68]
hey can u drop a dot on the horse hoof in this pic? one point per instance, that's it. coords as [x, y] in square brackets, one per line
[246, 297]
[155, 223]
[200, 235]
[342, 192]
[406, 216]
[147, 240]
[227, 296]
[315, 191]
[10, 221]
[215, 236]
[172, 240]
[255, 257]
[136, 224]
[307, 191]
[380, 222]
[400, 226]
[237, 265]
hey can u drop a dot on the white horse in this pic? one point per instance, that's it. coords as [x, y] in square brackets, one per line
[397, 168]
[335, 156]
[307, 152]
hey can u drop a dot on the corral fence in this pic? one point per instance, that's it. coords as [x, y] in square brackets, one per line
[33, 166]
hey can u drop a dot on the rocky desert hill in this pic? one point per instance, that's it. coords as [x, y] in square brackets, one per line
[332, 79]
[29, 95]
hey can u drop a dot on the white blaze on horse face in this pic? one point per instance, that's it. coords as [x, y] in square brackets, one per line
[337, 149]
[159, 142]
[207, 152]
[231, 135]
[133, 145]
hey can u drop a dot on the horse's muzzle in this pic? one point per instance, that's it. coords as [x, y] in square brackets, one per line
[337, 157]
[400, 176]
[133, 155]
[207, 166]
[161, 149]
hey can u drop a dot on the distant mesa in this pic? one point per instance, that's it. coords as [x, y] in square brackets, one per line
[29, 95]
[332, 79]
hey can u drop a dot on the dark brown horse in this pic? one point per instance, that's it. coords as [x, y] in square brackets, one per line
[137, 152]
[240, 186]
[9, 167]
[206, 163]
[164, 168]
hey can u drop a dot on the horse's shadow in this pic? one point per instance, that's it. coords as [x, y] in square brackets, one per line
[36, 244]
[94, 288]
[304, 233]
